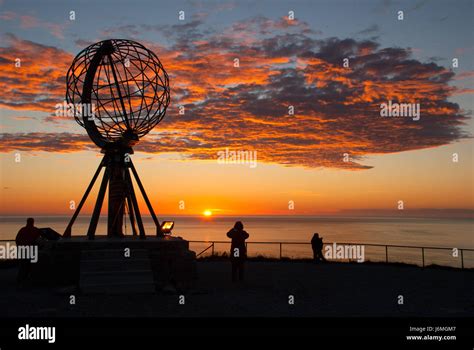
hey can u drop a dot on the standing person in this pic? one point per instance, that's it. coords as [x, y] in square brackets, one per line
[238, 250]
[317, 245]
[27, 236]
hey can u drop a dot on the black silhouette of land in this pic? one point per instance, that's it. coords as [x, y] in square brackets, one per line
[333, 289]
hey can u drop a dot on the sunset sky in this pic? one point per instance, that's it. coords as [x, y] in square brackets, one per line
[282, 63]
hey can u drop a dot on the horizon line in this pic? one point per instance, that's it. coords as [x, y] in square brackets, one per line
[412, 213]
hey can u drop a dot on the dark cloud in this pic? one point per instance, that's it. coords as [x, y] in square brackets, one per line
[419, 4]
[383, 6]
[374, 28]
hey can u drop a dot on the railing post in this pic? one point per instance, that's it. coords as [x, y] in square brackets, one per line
[386, 253]
[423, 255]
[462, 260]
[280, 250]
[212, 251]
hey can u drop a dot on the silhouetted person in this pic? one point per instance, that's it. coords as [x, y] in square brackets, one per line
[27, 236]
[317, 245]
[238, 250]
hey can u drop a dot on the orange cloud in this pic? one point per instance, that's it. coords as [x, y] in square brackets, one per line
[37, 84]
[336, 120]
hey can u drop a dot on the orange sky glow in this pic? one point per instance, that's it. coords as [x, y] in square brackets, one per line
[333, 153]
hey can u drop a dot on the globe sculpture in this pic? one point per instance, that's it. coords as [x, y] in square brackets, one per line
[123, 91]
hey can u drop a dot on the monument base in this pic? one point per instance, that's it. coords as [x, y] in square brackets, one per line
[114, 265]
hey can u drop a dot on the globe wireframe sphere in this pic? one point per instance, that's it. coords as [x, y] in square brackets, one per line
[130, 89]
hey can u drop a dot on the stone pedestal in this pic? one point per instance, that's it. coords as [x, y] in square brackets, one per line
[111, 265]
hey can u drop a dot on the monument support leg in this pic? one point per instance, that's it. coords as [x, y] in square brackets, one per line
[115, 218]
[117, 192]
[147, 201]
[132, 215]
[98, 205]
[67, 232]
[135, 205]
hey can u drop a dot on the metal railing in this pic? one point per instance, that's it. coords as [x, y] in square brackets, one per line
[281, 244]
[386, 246]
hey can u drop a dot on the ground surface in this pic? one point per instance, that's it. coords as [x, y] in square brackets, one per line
[318, 290]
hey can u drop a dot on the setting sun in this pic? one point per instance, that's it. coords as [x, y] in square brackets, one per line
[207, 213]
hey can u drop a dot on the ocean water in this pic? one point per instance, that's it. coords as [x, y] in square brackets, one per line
[422, 232]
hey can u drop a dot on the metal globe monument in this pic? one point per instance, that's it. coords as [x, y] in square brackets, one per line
[126, 89]
[128, 85]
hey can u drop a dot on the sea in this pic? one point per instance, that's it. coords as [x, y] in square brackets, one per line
[289, 236]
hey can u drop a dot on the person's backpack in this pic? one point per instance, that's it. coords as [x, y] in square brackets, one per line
[49, 234]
